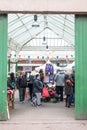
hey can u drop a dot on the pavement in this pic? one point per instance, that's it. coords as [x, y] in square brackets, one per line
[50, 116]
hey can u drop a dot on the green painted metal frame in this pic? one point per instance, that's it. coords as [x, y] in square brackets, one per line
[81, 66]
[3, 67]
[16, 67]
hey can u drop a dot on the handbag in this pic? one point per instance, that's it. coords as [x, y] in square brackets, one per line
[45, 92]
[69, 83]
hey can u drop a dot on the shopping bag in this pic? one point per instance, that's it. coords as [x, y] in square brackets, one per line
[52, 92]
[45, 92]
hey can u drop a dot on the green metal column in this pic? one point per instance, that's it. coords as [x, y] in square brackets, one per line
[16, 67]
[3, 67]
[81, 66]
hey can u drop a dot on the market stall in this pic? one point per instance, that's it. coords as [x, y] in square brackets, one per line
[44, 65]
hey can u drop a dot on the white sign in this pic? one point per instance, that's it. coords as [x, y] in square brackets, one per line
[27, 68]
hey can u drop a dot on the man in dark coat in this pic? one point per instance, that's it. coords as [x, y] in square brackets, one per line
[21, 85]
[30, 85]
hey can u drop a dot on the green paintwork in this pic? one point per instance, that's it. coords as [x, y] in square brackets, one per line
[16, 67]
[3, 67]
[81, 66]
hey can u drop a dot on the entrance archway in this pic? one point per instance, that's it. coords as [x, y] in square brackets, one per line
[80, 58]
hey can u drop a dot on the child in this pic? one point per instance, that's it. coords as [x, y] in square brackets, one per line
[68, 91]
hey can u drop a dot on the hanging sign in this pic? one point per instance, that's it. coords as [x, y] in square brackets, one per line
[57, 57]
[24, 56]
[47, 57]
[19, 56]
[10, 55]
[37, 57]
[66, 56]
[42, 57]
[71, 55]
[28, 57]
[14, 55]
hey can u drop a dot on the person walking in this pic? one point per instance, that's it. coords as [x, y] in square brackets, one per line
[37, 90]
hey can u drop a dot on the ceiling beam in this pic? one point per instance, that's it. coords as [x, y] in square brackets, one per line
[50, 48]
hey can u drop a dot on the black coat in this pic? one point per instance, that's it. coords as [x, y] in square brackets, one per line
[68, 90]
[21, 82]
[68, 87]
[31, 79]
[37, 86]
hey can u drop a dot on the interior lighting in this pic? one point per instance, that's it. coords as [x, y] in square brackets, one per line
[44, 41]
[35, 23]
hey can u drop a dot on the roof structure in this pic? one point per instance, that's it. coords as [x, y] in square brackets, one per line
[37, 32]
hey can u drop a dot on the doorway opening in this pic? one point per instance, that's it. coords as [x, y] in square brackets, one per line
[35, 39]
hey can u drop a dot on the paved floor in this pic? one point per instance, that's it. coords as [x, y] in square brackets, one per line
[50, 116]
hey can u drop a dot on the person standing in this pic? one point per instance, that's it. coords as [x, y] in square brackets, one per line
[72, 79]
[21, 85]
[60, 83]
[11, 82]
[41, 75]
[68, 91]
[30, 85]
[11, 86]
[37, 89]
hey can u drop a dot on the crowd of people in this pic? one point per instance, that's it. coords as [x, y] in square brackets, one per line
[64, 84]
